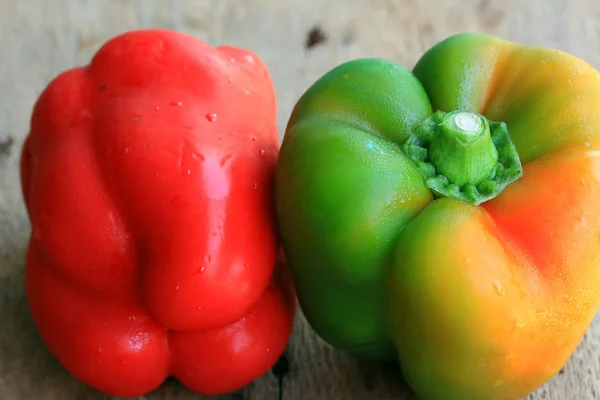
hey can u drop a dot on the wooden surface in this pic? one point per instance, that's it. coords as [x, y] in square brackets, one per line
[38, 39]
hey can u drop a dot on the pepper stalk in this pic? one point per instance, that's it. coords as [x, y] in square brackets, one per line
[464, 155]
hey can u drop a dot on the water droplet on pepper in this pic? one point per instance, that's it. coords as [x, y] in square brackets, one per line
[498, 287]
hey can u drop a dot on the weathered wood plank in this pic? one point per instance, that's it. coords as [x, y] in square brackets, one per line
[40, 39]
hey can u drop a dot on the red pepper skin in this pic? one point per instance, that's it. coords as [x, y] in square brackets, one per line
[148, 179]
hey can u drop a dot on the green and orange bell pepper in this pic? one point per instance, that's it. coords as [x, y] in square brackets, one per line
[448, 217]
[148, 178]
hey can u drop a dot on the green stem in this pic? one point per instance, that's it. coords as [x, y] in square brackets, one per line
[462, 149]
[463, 155]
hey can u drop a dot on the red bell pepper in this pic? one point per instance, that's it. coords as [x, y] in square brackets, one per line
[148, 180]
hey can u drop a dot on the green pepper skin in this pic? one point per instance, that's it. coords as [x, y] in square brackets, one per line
[348, 126]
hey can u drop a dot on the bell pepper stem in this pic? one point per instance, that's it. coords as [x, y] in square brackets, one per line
[463, 155]
[462, 149]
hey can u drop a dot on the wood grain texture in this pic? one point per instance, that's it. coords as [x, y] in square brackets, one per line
[39, 39]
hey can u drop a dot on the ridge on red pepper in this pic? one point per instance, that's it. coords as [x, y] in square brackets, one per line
[148, 179]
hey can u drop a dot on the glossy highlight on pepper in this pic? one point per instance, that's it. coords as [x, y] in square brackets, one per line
[465, 249]
[148, 178]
